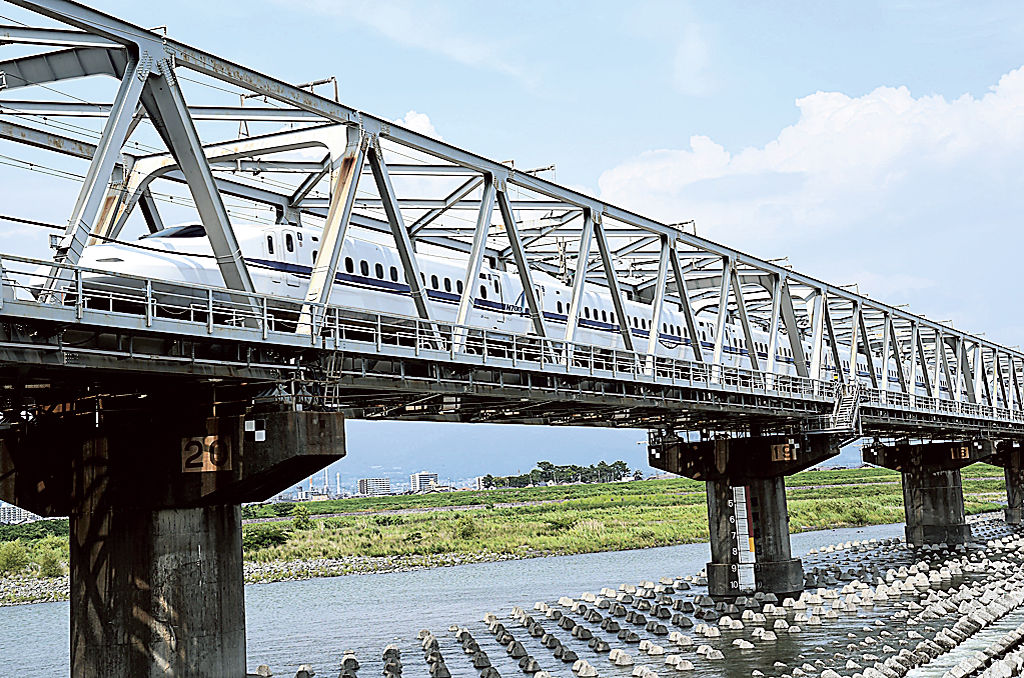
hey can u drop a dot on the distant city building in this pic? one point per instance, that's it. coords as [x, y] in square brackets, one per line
[374, 487]
[422, 481]
[11, 514]
[478, 483]
[316, 494]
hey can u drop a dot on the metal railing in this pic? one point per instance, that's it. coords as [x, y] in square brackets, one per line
[101, 297]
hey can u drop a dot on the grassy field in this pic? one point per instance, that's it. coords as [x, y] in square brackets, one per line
[543, 520]
[650, 490]
[579, 519]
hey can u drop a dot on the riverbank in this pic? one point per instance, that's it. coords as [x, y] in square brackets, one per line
[370, 536]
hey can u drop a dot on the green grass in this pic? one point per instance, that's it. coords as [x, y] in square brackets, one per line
[545, 520]
[584, 519]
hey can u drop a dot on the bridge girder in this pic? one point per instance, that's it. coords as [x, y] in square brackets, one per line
[537, 230]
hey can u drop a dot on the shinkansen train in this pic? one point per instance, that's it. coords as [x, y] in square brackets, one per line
[280, 259]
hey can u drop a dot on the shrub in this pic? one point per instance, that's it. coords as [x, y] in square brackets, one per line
[282, 509]
[264, 535]
[465, 528]
[13, 557]
[388, 520]
[50, 564]
[557, 523]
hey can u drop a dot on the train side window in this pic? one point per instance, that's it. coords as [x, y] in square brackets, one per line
[586, 312]
[496, 289]
[447, 284]
[483, 291]
[433, 282]
[270, 244]
[364, 267]
[378, 269]
[394, 274]
[423, 277]
[289, 242]
[349, 265]
[558, 306]
[604, 316]
[314, 256]
[458, 286]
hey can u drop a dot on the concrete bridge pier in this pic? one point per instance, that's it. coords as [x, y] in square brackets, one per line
[1008, 455]
[153, 497]
[933, 498]
[748, 517]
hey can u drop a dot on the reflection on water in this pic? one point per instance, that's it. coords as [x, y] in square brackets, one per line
[314, 621]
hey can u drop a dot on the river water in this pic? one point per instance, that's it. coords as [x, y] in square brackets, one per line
[315, 621]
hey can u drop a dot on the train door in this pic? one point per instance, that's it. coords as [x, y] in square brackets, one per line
[290, 257]
[499, 295]
[272, 253]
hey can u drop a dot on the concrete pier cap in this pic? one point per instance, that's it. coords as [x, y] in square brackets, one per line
[748, 518]
[933, 498]
[153, 488]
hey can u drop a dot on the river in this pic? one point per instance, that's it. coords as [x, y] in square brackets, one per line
[314, 621]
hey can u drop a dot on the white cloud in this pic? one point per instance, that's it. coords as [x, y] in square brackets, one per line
[419, 122]
[841, 148]
[910, 196]
[428, 25]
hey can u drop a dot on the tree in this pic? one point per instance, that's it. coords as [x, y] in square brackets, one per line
[488, 481]
[282, 508]
[13, 557]
[638, 475]
[302, 520]
[619, 470]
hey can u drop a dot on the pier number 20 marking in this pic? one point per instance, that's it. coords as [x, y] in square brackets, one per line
[205, 454]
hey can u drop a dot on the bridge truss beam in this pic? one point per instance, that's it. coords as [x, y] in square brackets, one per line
[822, 329]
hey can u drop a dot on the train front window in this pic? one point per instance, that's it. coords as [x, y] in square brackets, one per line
[182, 231]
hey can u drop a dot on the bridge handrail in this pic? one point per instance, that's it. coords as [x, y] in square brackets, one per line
[331, 326]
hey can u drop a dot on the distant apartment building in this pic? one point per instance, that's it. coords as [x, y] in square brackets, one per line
[422, 481]
[374, 487]
[11, 514]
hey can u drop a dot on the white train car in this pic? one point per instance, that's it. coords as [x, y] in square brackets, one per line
[370, 277]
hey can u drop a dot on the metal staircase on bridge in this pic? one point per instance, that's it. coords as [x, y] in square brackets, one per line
[845, 417]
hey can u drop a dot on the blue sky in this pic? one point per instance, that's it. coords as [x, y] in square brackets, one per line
[872, 142]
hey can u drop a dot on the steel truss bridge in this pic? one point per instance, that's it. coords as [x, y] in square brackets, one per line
[294, 157]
